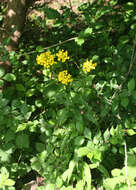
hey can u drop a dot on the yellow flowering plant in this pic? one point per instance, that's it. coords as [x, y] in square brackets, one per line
[62, 55]
[64, 77]
[89, 66]
[46, 59]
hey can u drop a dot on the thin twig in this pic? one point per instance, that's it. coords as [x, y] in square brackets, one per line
[54, 45]
[126, 172]
[59, 43]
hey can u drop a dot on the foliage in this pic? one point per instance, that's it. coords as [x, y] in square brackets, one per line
[72, 129]
[5, 182]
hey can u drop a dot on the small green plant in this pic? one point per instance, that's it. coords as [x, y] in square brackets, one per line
[5, 182]
[67, 111]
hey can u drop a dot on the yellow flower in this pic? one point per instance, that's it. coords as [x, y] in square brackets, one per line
[62, 55]
[64, 77]
[46, 59]
[88, 66]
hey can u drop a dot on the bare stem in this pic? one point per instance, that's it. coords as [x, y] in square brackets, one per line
[126, 172]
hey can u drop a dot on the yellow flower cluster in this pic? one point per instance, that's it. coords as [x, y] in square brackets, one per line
[64, 77]
[88, 66]
[46, 59]
[62, 55]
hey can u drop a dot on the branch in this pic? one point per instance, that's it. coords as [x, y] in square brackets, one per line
[126, 172]
[60, 43]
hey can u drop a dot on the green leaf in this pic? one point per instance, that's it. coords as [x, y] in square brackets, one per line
[52, 13]
[63, 116]
[80, 185]
[1, 83]
[9, 182]
[79, 41]
[110, 183]
[124, 102]
[30, 92]
[79, 126]
[2, 72]
[9, 77]
[68, 173]
[87, 32]
[39, 49]
[38, 103]
[9, 136]
[20, 87]
[106, 135]
[116, 172]
[21, 127]
[4, 172]
[71, 168]
[22, 141]
[95, 58]
[59, 182]
[87, 133]
[79, 140]
[83, 151]
[40, 147]
[134, 95]
[87, 176]
[4, 156]
[50, 186]
[131, 132]
[131, 85]
[36, 165]
[124, 39]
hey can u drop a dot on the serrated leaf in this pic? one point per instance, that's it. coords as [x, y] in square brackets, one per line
[9, 77]
[131, 85]
[106, 135]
